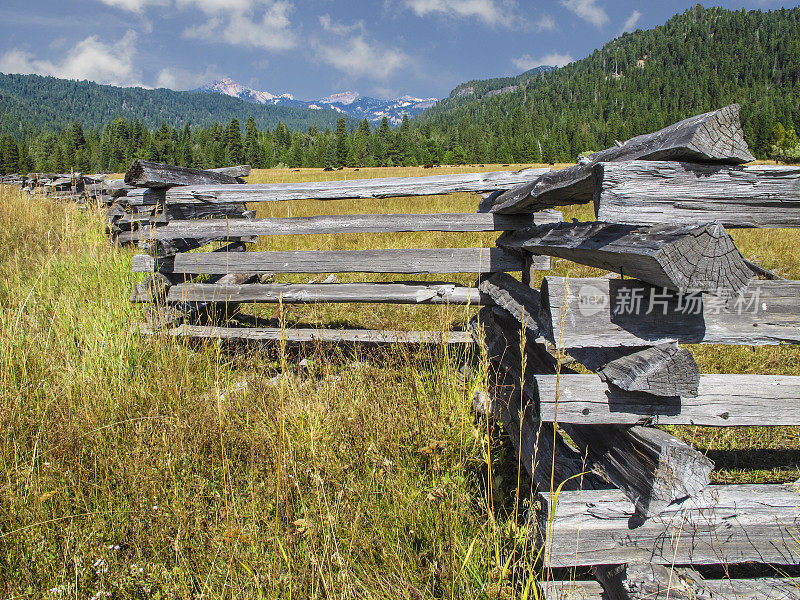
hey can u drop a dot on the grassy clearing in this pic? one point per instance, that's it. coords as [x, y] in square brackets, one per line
[136, 468]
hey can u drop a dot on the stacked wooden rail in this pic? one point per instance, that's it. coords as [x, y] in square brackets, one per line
[74, 187]
[634, 502]
[168, 217]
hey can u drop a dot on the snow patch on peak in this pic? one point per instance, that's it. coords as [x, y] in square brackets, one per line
[341, 98]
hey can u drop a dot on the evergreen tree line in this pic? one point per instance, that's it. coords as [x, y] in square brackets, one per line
[113, 147]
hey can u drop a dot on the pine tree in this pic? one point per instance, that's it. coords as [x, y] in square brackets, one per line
[234, 145]
[252, 152]
[341, 142]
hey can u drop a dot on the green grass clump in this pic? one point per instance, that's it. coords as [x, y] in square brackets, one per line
[149, 468]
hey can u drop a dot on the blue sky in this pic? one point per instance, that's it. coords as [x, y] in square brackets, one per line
[312, 48]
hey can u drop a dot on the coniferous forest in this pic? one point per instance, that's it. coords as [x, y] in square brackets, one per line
[640, 82]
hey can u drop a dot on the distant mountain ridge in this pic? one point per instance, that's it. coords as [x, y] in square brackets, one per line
[36, 102]
[347, 103]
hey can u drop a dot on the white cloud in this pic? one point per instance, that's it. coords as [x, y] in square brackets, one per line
[340, 28]
[134, 5]
[91, 59]
[359, 57]
[261, 24]
[631, 22]
[545, 23]
[554, 59]
[588, 10]
[176, 78]
[491, 12]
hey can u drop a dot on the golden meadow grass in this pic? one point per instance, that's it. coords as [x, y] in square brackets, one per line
[150, 468]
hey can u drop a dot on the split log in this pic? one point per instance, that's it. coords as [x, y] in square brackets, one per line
[331, 224]
[144, 173]
[648, 581]
[291, 293]
[726, 524]
[549, 460]
[332, 336]
[520, 300]
[722, 401]
[763, 588]
[163, 248]
[239, 171]
[652, 467]
[388, 187]
[663, 370]
[598, 312]
[686, 258]
[712, 137]
[414, 260]
[644, 193]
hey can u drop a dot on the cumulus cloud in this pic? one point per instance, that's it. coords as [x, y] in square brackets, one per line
[176, 78]
[545, 23]
[135, 5]
[112, 64]
[492, 12]
[351, 50]
[630, 24]
[261, 24]
[588, 10]
[554, 59]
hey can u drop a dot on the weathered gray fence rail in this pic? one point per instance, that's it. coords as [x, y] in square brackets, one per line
[683, 281]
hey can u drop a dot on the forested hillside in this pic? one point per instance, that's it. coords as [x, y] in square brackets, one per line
[640, 82]
[698, 61]
[31, 102]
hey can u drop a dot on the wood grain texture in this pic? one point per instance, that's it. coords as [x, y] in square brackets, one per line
[331, 224]
[236, 171]
[295, 293]
[711, 137]
[332, 336]
[644, 193]
[722, 401]
[547, 458]
[145, 173]
[663, 370]
[763, 588]
[598, 312]
[677, 257]
[651, 467]
[414, 260]
[387, 187]
[648, 581]
[726, 524]
[521, 301]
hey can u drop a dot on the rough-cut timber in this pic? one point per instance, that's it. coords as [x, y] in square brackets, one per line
[178, 312]
[164, 248]
[712, 137]
[598, 312]
[270, 334]
[677, 257]
[412, 260]
[547, 458]
[722, 400]
[649, 581]
[237, 171]
[726, 524]
[387, 187]
[353, 224]
[296, 293]
[663, 370]
[644, 193]
[144, 173]
[521, 301]
[764, 588]
[652, 467]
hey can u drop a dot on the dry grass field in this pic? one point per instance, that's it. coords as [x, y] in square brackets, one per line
[147, 468]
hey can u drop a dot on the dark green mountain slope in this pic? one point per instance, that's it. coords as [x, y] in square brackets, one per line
[34, 102]
[698, 61]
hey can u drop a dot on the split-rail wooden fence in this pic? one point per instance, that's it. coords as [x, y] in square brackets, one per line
[615, 495]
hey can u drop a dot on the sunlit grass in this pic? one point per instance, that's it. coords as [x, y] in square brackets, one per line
[362, 475]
